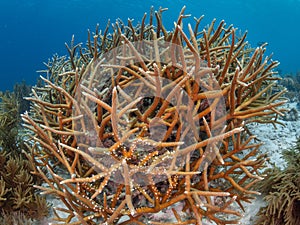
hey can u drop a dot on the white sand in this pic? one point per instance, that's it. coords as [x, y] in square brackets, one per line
[275, 141]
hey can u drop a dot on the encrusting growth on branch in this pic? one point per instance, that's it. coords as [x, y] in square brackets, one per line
[145, 120]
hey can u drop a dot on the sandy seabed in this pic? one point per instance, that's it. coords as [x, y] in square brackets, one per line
[275, 140]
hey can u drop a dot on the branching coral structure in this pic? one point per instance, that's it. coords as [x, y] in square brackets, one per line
[19, 200]
[145, 121]
[282, 192]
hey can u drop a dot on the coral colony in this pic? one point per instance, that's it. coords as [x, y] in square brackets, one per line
[282, 190]
[149, 126]
[19, 201]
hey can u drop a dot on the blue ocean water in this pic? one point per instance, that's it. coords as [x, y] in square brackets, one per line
[31, 31]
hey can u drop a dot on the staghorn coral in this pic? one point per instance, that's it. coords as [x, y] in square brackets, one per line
[128, 155]
[282, 192]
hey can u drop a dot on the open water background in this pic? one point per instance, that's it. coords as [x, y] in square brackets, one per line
[31, 31]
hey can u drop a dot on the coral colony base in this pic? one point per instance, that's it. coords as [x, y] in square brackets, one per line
[147, 122]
